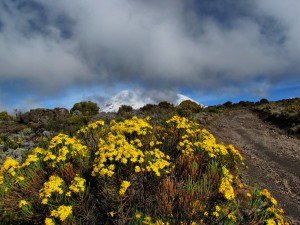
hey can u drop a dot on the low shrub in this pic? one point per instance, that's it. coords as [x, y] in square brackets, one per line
[187, 108]
[125, 109]
[86, 108]
[4, 116]
[166, 105]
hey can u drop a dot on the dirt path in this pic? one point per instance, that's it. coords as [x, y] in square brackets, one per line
[272, 156]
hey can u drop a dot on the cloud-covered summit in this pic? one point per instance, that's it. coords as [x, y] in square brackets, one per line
[138, 98]
[207, 46]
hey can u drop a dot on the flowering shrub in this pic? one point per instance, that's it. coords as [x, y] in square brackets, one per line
[132, 172]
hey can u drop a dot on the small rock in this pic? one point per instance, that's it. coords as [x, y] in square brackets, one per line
[47, 134]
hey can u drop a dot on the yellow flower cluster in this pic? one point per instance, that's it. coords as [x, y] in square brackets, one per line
[225, 187]
[54, 184]
[78, 184]
[182, 123]
[49, 221]
[63, 148]
[63, 212]
[232, 216]
[115, 149]
[268, 197]
[265, 193]
[194, 139]
[10, 165]
[132, 126]
[216, 213]
[91, 127]
[209, 145]
[223, 211]
[30, 159]
[122, 147]
[22, 203]
[190, 130]
[235, 152]
[138, 215]
[124, 186]
[270, 203]
[148, 221]
[278, 220]
[157, 161]
[185, 146]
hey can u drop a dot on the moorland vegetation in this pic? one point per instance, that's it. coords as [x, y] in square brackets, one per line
[156, 165]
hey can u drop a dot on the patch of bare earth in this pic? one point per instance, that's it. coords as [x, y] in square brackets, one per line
[273, 157]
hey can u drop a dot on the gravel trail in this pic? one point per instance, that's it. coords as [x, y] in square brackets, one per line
[273, 157]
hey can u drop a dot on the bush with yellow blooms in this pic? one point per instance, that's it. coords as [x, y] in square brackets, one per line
[133, 172]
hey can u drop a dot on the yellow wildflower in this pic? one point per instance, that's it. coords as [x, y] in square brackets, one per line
[30, 159]
[38, 150]
[270, 222]
[225, 187]
[22, 203]
[216, 214]
[20, 178]
[151, 143]
[63, 212]
[232, 217]
[147, 219]
[53, 185]
[1, 178]
[78, 184]
[125, 184]
[137, 169]
[280, 210]
[49, 221]
[10, 165]
[274, 201]
[265, 193]
[112, 213]
[124, 160]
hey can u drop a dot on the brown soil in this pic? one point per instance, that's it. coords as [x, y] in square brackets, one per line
[273, 157]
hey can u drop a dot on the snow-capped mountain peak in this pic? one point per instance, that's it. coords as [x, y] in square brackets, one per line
[125, 97]
[136, 100]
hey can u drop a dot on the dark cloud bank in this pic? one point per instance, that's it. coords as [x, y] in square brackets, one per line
[215, 46]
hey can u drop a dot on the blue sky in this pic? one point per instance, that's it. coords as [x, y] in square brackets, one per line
[57, 53]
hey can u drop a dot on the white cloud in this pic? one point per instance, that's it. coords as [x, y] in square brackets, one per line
[287, 14]
[156, 44]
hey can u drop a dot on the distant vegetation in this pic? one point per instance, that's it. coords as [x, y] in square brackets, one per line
[4, 116]
[85, 108]
[125, 109]
[154, 165]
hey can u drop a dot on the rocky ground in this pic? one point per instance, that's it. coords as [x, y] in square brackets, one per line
[273, 156]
